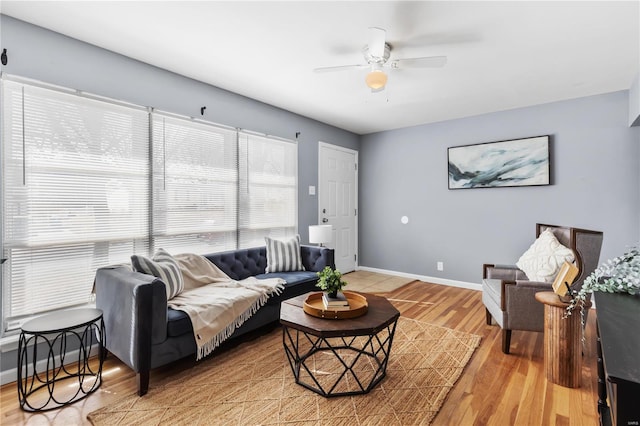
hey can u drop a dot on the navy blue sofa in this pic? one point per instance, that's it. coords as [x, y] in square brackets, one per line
[144, 334]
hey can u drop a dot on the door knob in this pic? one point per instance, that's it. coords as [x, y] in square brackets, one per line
[325, 220]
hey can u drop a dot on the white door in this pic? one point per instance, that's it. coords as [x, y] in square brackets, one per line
[338, 201]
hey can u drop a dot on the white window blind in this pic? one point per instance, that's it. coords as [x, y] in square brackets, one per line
[87, 182]
[268, 188]
[75, 174]
[195, 186]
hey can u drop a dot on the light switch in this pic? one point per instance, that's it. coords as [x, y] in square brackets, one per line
[312, 190]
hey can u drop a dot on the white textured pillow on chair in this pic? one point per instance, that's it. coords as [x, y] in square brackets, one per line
[283, 255]
[542, 261]
[162, 266]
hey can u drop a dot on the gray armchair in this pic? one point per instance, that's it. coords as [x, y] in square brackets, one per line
[509, 296]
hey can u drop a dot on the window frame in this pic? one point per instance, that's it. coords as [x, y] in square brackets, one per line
[11, 328]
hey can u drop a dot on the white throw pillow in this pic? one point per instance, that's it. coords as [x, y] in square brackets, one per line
[283, 255]
[542, 261]
[162, 266]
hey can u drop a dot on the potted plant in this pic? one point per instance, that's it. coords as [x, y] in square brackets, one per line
[330, 281]
[617, 275]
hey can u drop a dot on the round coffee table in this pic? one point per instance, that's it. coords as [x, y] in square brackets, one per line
[57, 335]
[338, 357]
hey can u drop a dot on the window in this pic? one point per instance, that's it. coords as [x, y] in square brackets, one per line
[268, 188]
[87, 182]
[75, 184]
[195, 186]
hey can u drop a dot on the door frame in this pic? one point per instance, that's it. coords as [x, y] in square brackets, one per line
[355, 202]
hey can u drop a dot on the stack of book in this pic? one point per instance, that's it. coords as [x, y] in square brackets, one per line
[338, 303]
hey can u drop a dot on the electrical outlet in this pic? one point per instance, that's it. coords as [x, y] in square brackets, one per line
[440, 266]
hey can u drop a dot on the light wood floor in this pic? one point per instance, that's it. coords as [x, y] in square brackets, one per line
[495, 389]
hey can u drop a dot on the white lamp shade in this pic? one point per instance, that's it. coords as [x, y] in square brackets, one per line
[376, 79]
[320, 234]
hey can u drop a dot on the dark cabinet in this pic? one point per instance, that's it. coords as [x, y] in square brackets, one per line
[618, 318]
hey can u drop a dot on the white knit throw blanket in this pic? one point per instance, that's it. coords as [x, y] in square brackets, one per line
[215, 303]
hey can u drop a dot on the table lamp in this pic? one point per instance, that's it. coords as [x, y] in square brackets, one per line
[320, 234]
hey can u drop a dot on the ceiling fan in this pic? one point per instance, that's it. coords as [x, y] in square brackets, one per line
[377, 54]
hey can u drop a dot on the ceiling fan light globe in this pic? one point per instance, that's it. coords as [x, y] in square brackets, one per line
[376, 79]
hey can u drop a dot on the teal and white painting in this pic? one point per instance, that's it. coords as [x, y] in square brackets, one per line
[517, 162]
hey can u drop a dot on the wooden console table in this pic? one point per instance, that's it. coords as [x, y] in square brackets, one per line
[618, 318]
[562, 341]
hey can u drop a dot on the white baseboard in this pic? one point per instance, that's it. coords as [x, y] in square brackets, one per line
[9, 376]
[434, 280]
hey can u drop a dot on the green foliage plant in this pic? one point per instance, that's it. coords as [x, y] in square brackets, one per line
[618, 275]
[330, 280]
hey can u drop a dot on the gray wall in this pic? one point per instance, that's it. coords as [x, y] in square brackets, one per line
[634, 102]
[43, 55]
[595, 159]
[50, 57]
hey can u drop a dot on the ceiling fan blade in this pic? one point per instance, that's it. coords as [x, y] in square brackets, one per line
[376, 41]
[339, 68]
[425, 62]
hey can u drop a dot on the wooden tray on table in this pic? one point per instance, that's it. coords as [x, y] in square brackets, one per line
[358, 306]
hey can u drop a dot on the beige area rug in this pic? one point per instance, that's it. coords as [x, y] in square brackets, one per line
[252, 384]
[373, 282]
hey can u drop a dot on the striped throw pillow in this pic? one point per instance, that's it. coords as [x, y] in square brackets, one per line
[283, 255]
[162, 266]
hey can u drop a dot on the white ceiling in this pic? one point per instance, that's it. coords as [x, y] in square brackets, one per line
[501, 55]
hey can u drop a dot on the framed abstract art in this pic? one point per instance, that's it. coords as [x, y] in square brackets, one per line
[516, 162]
